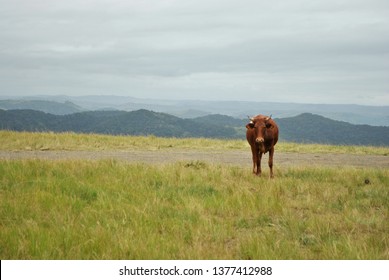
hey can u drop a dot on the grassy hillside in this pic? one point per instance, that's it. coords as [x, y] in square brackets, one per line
[190, 210]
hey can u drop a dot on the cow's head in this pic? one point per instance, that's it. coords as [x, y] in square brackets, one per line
[260, 126]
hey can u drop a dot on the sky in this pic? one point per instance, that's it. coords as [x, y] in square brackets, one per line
[302, 51]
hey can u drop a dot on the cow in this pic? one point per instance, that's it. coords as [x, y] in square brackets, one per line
[262, 135]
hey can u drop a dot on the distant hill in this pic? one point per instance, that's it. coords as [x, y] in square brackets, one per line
[310, 128]
[51, 107]
[221, 120]
[304, 128]
[141, 122]
[355, 114]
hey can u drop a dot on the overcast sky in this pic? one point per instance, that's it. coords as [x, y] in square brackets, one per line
[307, 51]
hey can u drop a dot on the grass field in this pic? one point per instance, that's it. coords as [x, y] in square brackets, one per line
[16, 141]
[107, 209]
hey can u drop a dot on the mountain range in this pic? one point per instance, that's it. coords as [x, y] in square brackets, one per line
[303, 128]
[63, 105]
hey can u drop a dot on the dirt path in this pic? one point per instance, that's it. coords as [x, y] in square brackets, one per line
[242, 158]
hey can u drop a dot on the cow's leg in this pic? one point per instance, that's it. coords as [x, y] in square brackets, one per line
[271, 153]
[255, 156]
[259, 170]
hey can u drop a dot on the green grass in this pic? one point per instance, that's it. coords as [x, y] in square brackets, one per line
[77, 209]
[20, 141]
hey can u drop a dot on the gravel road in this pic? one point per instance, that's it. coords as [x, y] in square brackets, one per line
[241, 158]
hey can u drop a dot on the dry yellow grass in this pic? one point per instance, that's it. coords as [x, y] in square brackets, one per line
[17, 141]
[77, 209]
[107, 209]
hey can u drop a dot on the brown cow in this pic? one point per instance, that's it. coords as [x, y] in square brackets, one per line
[262, 135]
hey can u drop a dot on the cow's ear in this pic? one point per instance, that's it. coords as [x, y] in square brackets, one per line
[250, 125]
[268, 123]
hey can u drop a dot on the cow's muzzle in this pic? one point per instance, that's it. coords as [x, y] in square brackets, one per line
[259, 140]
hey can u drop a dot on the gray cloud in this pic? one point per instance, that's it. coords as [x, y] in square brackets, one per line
[301, 51]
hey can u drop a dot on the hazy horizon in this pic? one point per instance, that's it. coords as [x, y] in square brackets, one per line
[54, 97]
